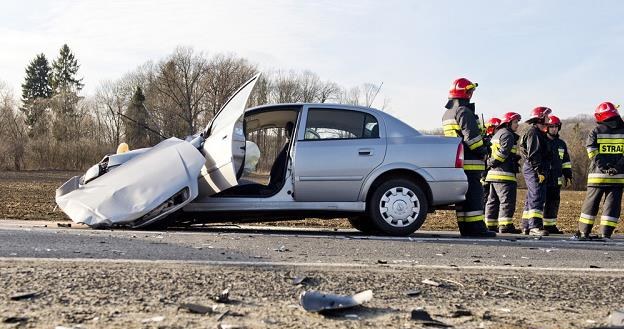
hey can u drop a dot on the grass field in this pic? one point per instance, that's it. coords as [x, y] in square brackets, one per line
[29, 195]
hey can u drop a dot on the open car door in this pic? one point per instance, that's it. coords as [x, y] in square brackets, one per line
[224, 147]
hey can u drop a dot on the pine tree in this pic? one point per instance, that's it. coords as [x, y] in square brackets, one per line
[36, 90]
[136, 134]
[64, 71]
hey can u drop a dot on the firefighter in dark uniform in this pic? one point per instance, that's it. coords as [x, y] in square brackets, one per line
[560, 173]
[460, 120]
[503, 164]
[490, 128]
[605, 145]
[536, 151]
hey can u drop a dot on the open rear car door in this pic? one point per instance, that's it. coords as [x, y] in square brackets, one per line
[161, 180]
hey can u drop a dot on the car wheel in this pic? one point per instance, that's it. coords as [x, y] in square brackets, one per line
[398, 207]
[363, 224]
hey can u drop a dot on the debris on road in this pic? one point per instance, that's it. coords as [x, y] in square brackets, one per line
[616, 318]
[63, 224]
[196, 308]
[412, 293]
[382, 261]
[431, 283]
[281, 248]
[315, 301]
[27, 295]
[300, 280]
[15, 320]
[223, 297]
[454, 282]
[460, 312]
[422, 317]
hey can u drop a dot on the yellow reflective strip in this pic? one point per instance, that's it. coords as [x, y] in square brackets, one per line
[451, 133]
[474, 167]
[606, 180]
[610, 141]
[532, 214]
[505, 221]
[592, 154]
[566, 165]
[608, 223]
[476, 145]
[586, 221]
[498, 157]
[476, 218]
[501, 177]
[451, 126]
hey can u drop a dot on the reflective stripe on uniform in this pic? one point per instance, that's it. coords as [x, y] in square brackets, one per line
[610, 138]
[494, 175]
[496, 153]
[491, 221]
[609, 221]
[532, 213]
[474, 165]
[550, 221]
[587, 219]
[561, 152]
[592, 151]
[450, 128]
[470, 216]
[594, 178]
[559, 181]
[475, 142]
[566, 165]
[505, 221]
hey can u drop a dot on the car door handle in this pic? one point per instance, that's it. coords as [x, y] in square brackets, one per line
[365, 152]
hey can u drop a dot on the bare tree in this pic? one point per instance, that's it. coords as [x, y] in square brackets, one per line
[12, 131]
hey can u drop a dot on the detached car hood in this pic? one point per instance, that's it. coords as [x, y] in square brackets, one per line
[136, 188]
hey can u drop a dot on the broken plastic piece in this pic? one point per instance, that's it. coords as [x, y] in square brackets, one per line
[22, 296]
[300, 280]
[223, 297]
[196, 308]
[315, 301]
[422, 317]
[413, 292]
[431, 282]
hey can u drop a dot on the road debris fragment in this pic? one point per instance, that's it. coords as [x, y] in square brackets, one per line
[196, 308]
[300, 280]
[153, 319]
[26, 295]
[15, 320]
[315, 301]
[63, 224]
[223, 297]
[382, 261]
[422, 317]
[616, 318]
[431, 282]
[412, 293]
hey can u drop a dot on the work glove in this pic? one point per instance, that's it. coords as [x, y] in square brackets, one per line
[541, 178]
[483, 182]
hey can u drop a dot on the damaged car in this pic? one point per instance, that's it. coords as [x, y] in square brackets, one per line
[336, 161]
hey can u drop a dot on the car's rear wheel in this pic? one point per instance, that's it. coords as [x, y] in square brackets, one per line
[363, 224]
[398, 207]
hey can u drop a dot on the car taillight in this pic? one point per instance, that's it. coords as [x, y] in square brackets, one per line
[459, 157]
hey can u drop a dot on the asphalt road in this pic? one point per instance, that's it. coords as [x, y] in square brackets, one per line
[287, 246]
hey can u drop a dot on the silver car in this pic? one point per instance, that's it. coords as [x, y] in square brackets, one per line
[341, 160]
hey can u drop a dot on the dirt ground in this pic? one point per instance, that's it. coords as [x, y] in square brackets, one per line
[30, 195]
[149, 295]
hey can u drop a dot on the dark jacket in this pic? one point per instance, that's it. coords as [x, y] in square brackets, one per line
[536, 150]
[605, 145]
[503, 161]
[460, 120]
[560, 165]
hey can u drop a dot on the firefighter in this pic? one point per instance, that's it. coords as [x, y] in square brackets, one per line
[560, 173]
[503, 164]
[536, 152]
[606, 172]
[490, 128]
[460, 120]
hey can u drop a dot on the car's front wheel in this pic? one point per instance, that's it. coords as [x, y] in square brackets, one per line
[398, 207]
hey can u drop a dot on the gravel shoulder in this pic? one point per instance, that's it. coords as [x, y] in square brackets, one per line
[91, 294]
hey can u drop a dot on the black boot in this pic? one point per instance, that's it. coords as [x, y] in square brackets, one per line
[582, 236]
[606, 231]
[477, 229]
[536, 231]
[552, 229]
[493, 228]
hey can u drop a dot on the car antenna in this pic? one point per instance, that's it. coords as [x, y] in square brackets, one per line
[142, 125]
[377, 92]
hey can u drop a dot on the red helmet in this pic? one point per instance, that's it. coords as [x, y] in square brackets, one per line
[491, 125]
[511, 116]
[606, 111]
[539, 114]
[553, 121]
[462, 88]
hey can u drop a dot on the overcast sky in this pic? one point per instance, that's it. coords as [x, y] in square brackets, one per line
[563, 54]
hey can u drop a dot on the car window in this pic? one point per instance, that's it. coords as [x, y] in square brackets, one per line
[340, 124]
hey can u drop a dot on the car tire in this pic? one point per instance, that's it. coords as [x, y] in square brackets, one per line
[398, 207]
[363, 224]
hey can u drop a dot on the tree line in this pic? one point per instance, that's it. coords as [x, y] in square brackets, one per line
[56, 126]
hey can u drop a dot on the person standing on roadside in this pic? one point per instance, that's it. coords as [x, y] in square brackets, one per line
[460, 120]
[605, 145]
[490, 128]
[560, 173]
[503, 164]
[537, 154]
